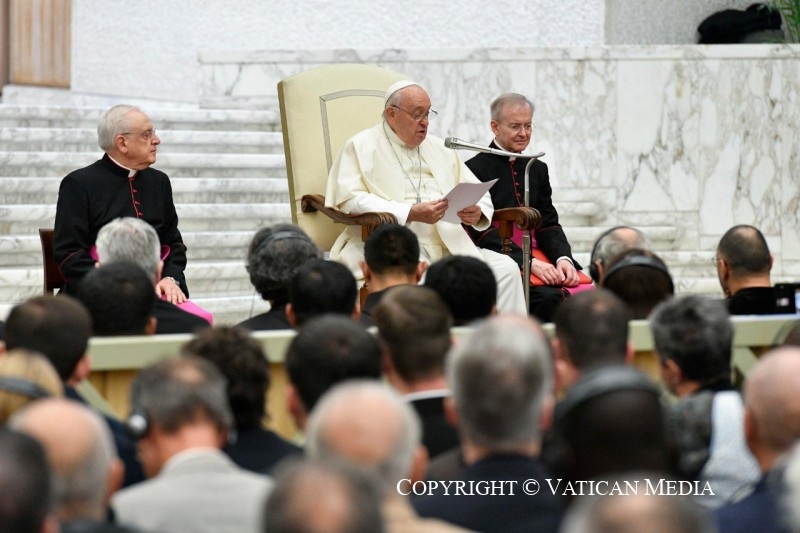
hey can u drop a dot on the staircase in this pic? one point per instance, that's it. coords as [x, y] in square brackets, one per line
[228, 177]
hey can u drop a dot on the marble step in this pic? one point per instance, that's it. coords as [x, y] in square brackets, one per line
[163, 118]
[44, 164]
[34, 190]
[22, 219]
[172, 141]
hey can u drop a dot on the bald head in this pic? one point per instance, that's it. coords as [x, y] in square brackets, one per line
[80, 451]
[367, 424]
[772, 396]
[612, 243]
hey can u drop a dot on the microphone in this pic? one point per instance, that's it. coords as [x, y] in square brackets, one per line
[452, 142]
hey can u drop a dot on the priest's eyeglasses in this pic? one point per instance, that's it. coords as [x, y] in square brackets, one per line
[417, 117]
[146, 135]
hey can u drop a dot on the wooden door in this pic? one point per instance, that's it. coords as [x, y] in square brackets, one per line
[40, 33]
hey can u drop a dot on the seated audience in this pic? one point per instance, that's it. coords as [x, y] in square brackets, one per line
[319, 287]
[502, 387]
[640, 279]
[312, 496]
[274, 255]
[414, 332]
[120, 299]
[743, 266]
[59, 328]
[25, 376]
[466, 285]
[627, 511]
[244, 364]
[591, 330]
[693, 337]
[327, 350]
[26, 489]
[610, 244]
[391, 258]
[181, 417]
[83, 461]
[610, 422]
[771, 428]
[134, 240]
[367, 425]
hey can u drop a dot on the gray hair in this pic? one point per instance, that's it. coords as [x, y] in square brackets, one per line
[114, 122]
[274, 255]
[697, 333]
[405, 428]
[496, 108]
[177, 391]
[130, 239]
[500, 377]
[613, 242]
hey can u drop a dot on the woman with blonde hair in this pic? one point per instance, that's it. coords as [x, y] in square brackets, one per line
[25, 376]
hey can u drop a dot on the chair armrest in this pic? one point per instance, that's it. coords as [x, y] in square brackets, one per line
[525, 218]
[311, 203]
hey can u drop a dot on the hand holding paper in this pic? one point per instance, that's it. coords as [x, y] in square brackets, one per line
[462, 196]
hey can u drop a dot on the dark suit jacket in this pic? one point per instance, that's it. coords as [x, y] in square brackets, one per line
[273, 319]
[509, 191]
[259, 450]
[172, 319]
[757, 512]
[370, 303]
[754, 301]
[126, 447]
[437, 435]
[507, 513]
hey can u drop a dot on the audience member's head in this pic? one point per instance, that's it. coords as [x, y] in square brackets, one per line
[274, 255]
[25, 485]
[328, 350]
[502, 387]
[57, 327]
[466, 285]
[591, 330]
[313, 496]
[120, 298]
[81, 454]
[610, 244]
[743, 259]
[25, 376]
[367, 424]
[391, 257]
[772, 405]
[633, 509]
[414, 329]
[609, 422]
[693, 336]
[244, 364]
[319, 287]
[640, 279]
[132, 240]
[178, 404]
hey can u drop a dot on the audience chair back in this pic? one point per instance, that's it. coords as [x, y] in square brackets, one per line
[53, 280]
[321, 108]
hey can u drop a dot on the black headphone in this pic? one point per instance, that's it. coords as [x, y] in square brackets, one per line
[278, 236]
[641, 260]
[23, 387]
[593, 273]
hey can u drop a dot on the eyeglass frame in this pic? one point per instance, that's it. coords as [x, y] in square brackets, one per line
[527, 127]
[430, 114]
[147, 135]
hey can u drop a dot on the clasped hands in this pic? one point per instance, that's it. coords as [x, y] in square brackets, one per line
[563, 273]
[433, 211]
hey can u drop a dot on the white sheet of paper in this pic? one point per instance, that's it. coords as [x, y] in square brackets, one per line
[464, 195]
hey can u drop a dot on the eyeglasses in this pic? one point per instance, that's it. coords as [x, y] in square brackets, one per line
[417, 117]
[516, 128]
[146, 135]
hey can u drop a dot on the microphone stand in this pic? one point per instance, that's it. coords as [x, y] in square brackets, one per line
[526, 240]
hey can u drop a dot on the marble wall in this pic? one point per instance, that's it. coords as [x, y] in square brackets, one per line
[697, 137]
